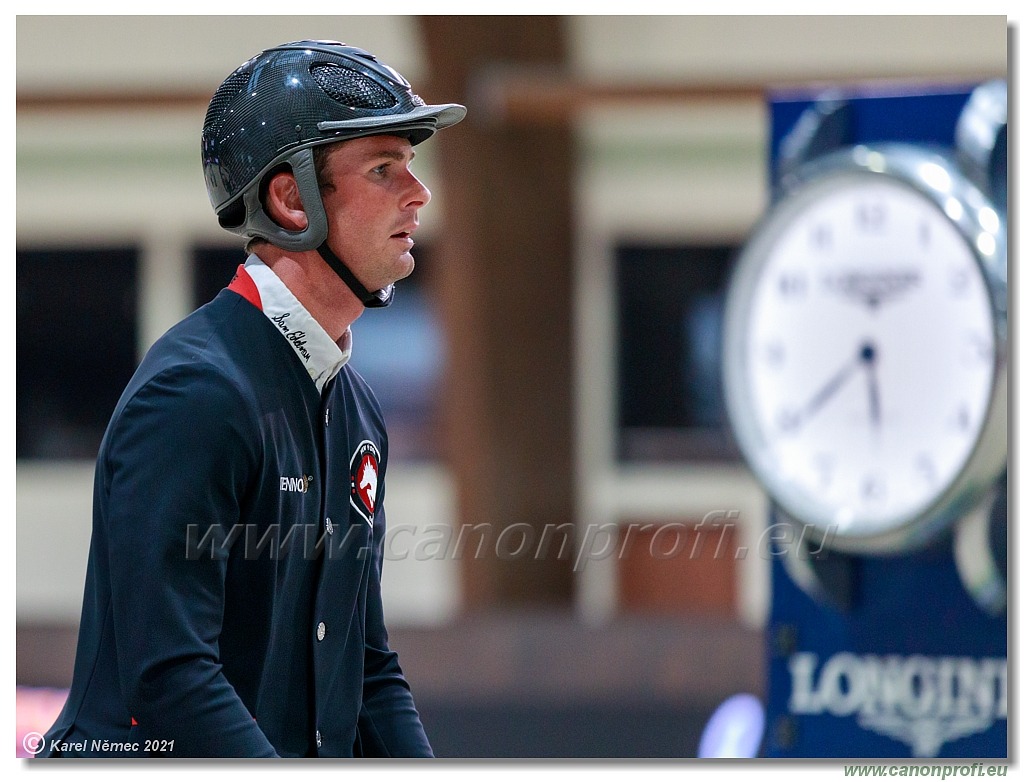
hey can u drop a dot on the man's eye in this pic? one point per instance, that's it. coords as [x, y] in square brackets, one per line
[381, 169]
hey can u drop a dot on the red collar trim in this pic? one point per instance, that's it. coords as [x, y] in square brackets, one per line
[243, 285]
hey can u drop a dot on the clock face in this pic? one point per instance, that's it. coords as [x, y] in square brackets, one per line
[862, 353]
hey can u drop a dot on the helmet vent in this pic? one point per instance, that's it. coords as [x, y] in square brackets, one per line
[224, 96]
[351, 88]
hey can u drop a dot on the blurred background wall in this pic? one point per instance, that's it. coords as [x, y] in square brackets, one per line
[549, 374]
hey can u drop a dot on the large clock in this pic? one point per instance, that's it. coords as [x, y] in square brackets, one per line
[865, 347]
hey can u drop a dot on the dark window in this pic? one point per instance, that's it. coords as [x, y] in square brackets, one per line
[670, 305]
[212, 270]
[76, 347]
[400, 351]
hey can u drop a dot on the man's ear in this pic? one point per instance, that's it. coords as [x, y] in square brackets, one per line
[283, 203]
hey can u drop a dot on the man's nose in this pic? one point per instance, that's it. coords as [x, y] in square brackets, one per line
[419, 195]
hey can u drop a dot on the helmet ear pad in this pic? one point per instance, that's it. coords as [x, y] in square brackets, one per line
[260, 224]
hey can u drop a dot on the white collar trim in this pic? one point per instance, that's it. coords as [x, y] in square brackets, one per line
[322, 357]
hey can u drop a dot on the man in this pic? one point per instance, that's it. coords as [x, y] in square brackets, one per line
[232, 603]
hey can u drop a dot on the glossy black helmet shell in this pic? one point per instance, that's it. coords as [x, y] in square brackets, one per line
[274, 108]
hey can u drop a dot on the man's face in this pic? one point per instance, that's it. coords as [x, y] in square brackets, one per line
[372, 201]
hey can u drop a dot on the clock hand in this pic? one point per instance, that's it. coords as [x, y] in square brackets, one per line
[869, 356]
[826, 392]
[865, 356]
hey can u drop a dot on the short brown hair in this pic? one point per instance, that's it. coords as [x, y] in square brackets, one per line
[321, 153]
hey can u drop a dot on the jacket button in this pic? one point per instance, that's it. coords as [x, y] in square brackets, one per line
[330, 526]
[321, 631]
[327, 417]
[319, 742]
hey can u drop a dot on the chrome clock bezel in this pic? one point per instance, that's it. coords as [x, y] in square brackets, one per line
[930, 175]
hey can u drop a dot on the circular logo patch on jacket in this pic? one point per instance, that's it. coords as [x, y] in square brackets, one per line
[363, 473]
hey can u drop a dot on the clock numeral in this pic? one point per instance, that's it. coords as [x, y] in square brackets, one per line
[962, 418]
[959, 282]
[774, 355]
[871, 217]
[977, 349]
[793, 285]
[872, 489]
[924, 466]
[821, 237]
[924, 234]
[787, 420]
[824, 468]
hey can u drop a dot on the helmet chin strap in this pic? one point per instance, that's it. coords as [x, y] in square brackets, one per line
[381, 298]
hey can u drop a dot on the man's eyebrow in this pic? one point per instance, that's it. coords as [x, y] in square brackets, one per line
[390, 154]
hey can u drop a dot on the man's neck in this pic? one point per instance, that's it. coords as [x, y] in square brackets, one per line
[324, 295]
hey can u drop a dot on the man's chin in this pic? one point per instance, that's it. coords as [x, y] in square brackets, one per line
[405, 266]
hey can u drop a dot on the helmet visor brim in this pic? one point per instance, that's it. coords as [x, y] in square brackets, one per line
[423, 117]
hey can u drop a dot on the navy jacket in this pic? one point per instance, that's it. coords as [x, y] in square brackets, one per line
[232, 602]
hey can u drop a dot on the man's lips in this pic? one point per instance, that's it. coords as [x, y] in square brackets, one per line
[406, 232]
[405, 239]
[404, 236]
